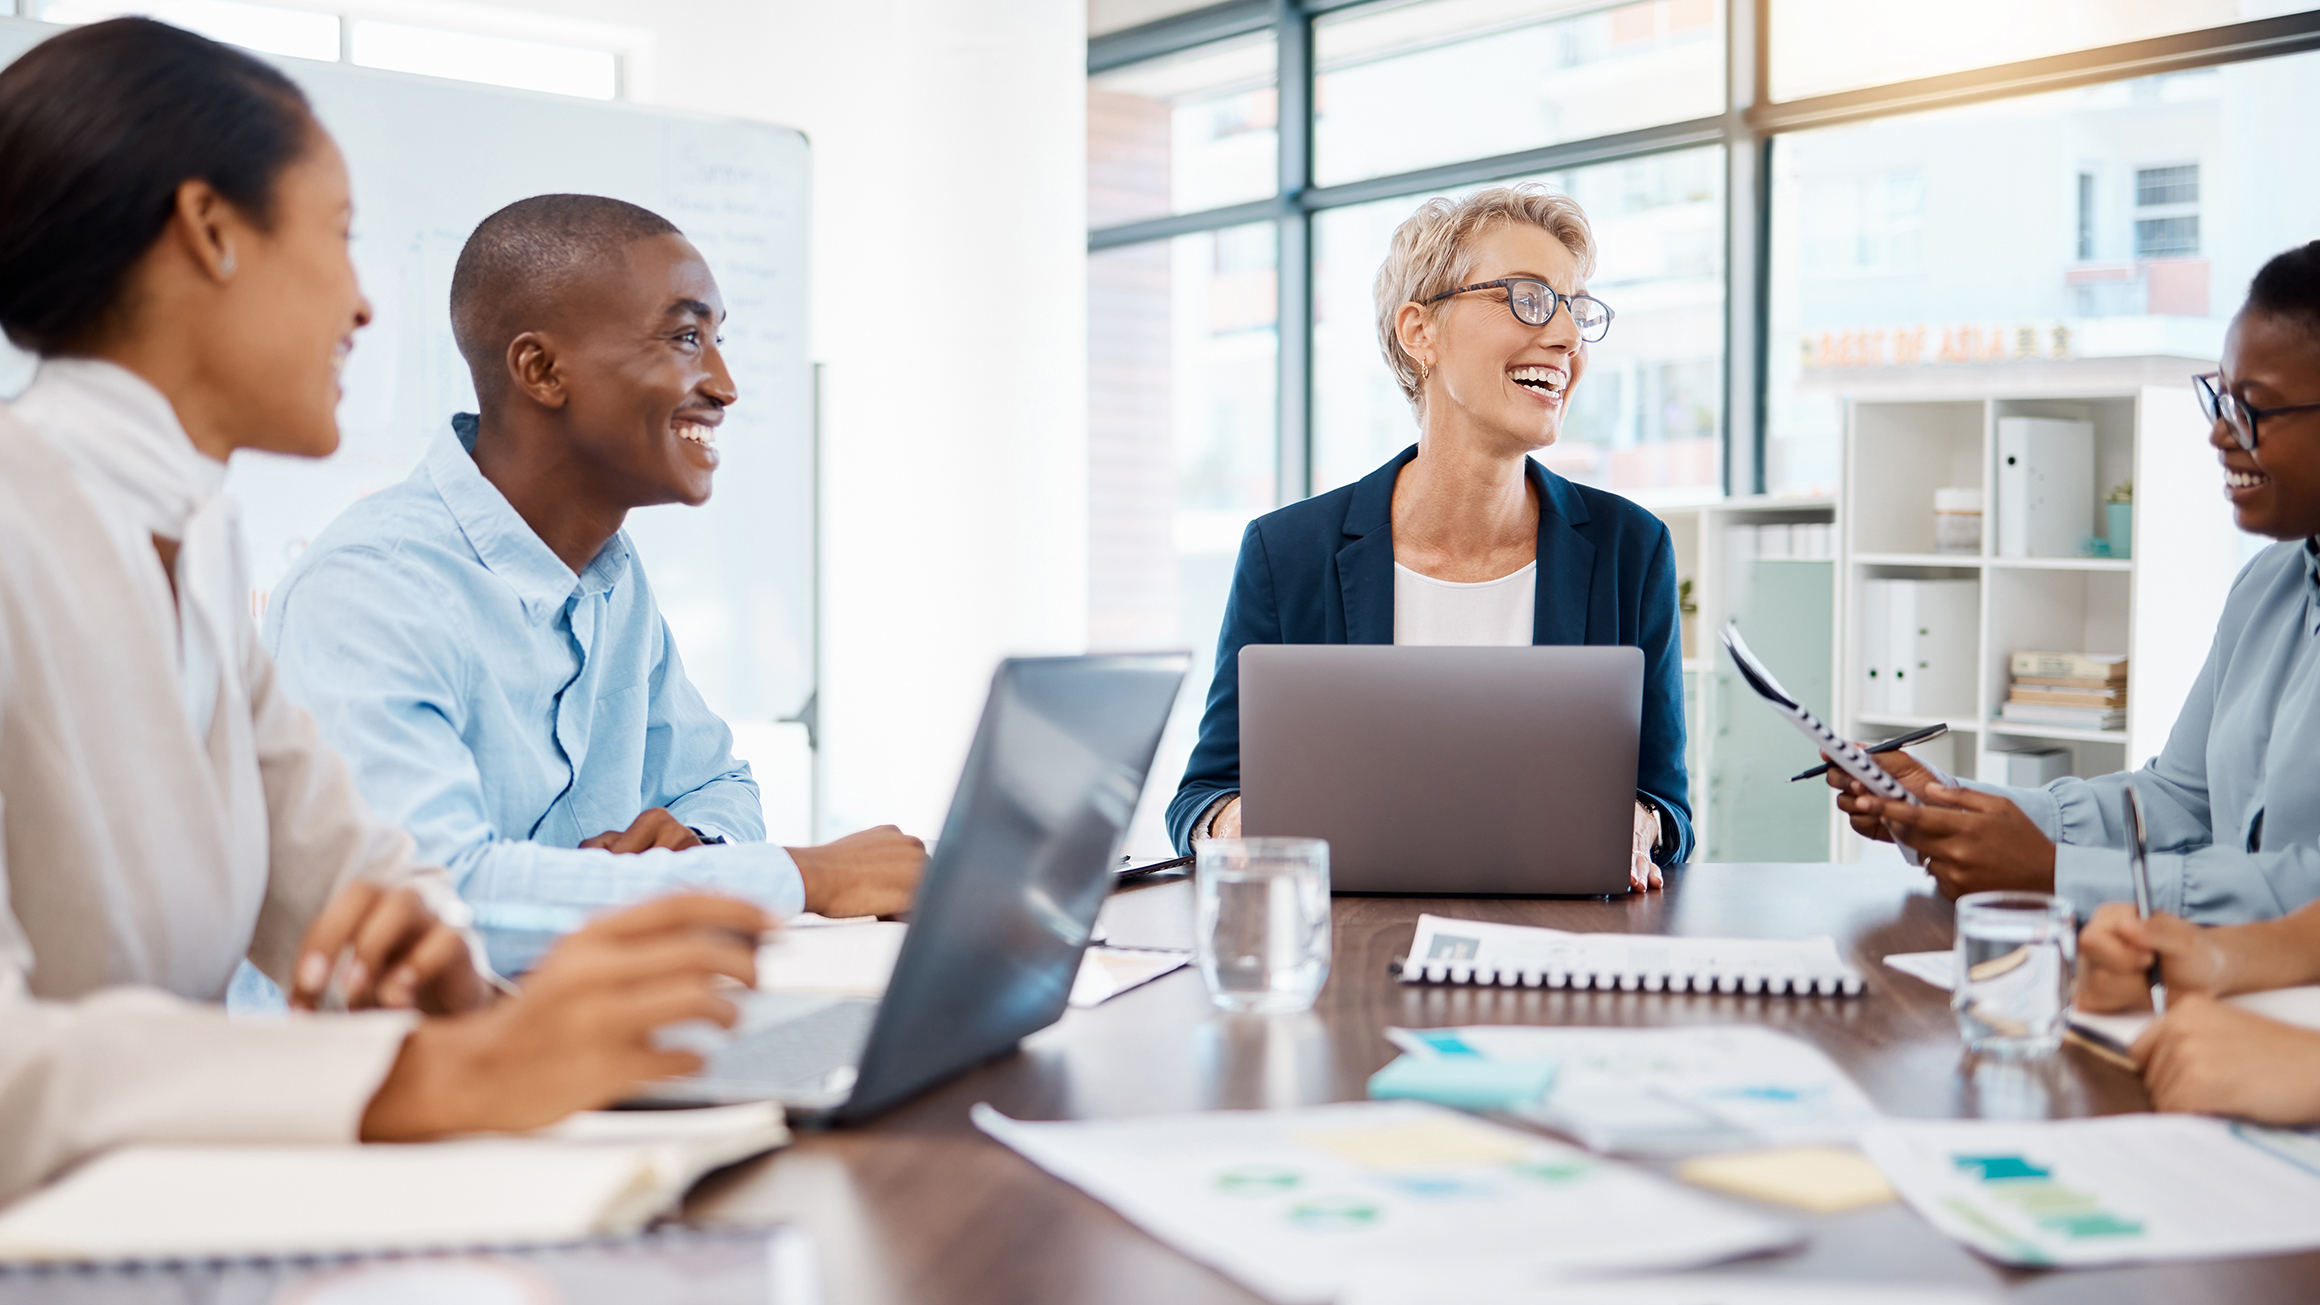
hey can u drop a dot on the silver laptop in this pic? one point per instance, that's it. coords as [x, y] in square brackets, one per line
[1025, 859]
[1446, 770]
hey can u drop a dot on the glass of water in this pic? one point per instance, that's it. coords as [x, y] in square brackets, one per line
[2015, 956]
[1262, 938]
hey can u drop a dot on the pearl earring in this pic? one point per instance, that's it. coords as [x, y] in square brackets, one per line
[226, 264]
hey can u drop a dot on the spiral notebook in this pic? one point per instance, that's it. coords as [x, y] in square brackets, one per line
[601, 1173]
[1476, 952]
[700, 1266]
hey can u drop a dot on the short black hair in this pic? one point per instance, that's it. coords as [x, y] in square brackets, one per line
[2288, 287]
[523, 258]
[99, 126]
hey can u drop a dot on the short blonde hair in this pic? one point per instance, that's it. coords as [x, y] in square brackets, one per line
[1433, 252]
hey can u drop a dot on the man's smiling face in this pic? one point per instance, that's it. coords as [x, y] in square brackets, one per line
[645, 382]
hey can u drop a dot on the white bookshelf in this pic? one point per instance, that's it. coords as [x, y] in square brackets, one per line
[1741, 807]
[1923, 428]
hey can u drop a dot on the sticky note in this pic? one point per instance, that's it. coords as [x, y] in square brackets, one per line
[1468, 1082]
[1823, 1179]
[1432, 1144]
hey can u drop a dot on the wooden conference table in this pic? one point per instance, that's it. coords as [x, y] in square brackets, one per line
[922, 1208]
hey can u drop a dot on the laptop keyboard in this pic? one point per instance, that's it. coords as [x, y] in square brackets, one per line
[801, 1055]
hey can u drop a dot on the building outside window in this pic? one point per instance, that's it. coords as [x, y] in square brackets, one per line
[2103, 253]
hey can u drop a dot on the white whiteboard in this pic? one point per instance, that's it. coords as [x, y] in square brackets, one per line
[430, 159]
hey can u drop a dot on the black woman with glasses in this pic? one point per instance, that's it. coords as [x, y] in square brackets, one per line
[1464, 538]
[2233, 799]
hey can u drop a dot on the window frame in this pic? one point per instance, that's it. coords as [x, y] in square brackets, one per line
[1746, 131]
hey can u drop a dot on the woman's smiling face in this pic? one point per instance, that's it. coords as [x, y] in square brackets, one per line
[1492, 373]
[2273, 362]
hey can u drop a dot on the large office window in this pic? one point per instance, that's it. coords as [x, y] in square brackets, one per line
[1407, 86]
[1824, 46]
[1901, 185]
[1183, 387]
[1185, 132]
[2133, 214]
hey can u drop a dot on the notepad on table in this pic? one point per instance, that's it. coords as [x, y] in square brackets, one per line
[2297, 1006]
[1477, 952]
[596, 1174]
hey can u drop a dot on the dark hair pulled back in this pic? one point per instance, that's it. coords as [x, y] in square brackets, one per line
[2289, 287]
[99, 126]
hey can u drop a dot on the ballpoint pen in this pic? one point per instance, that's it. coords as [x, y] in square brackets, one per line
[1894, 744]
[2139, 870]
[454, 912]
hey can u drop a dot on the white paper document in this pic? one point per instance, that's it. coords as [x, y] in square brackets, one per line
[1475, 951]
[1674, 1091]
[1936, 968]
[1669, 1289]
[1106, 972]
[1304, 1205]
[848, 958]
[2127, 1188]
[855, 958]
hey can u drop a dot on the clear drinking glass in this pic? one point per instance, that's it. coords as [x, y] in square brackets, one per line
[2015, 955]
[1262, 939]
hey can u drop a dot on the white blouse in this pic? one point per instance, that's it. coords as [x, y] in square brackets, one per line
[1445, 613]
[164, 809]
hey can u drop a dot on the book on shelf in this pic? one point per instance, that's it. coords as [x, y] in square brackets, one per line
[2074, 666]
[2098, 698]
[2076, 718]
[2068, 682]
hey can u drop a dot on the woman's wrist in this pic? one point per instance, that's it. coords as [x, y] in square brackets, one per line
[428, 1091]
[1205, 827]
[2283, 953]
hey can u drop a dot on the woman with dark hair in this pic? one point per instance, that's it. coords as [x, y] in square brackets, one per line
[173, 244]
[2234, 831]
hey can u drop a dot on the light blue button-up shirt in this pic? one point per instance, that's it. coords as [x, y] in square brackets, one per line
[2233, 800]
[503, 709]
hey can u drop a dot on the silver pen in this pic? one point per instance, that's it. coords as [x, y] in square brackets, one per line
[456, 914]
[2139, 871]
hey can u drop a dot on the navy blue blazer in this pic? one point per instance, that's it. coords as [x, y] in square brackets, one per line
[1322, 571]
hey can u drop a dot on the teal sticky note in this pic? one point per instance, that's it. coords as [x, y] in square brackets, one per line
[1466, 1082]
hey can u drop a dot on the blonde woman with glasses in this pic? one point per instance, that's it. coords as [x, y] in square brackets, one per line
[1464, 538]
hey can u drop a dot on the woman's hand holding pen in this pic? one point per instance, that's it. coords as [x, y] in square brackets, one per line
[1972, 842]
[381, 945]
[1868, 820]
[2116, 950]
[579, 1034]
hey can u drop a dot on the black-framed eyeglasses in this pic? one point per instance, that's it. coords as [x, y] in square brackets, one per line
[1533, 304]
[2222, 405]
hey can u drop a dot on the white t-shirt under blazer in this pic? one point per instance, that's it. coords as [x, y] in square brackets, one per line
[1443, 613]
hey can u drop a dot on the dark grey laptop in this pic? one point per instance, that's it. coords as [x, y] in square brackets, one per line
[1024, 861]
[1446, 770]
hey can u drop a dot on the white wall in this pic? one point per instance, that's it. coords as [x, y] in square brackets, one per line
[950, 309]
